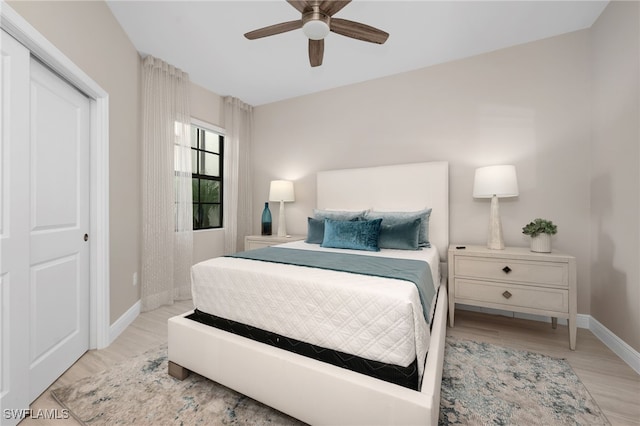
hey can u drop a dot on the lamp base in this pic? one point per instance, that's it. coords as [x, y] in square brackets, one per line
[282, 226]
[495, 241]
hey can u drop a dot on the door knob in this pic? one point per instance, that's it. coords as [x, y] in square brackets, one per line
[86, 237]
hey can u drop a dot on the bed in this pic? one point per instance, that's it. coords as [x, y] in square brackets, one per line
[316, 391]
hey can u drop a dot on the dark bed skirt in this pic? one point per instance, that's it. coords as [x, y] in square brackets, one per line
[403, 376]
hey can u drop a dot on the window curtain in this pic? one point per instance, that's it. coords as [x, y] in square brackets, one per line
[167, 209]
[238, 211]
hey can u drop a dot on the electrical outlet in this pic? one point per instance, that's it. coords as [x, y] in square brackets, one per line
[135, 279]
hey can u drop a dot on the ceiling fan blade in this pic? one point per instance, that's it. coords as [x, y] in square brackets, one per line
[359, 31]
[316, 52]
[331, 7]
[282, 27]
[301, 5]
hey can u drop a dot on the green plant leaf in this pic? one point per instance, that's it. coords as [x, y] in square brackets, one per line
[539, 226]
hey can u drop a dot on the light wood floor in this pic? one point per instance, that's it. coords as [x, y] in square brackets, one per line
[613, 384]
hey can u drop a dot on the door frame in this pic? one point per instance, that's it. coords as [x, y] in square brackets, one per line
[45, 51]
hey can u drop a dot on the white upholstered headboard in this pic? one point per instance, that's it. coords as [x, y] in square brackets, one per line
[405, 187]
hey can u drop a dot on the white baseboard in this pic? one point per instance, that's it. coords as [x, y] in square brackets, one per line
[616, 344]
[613, 342]
[124, 321]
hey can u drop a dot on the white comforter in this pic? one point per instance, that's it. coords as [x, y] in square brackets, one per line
[374, 318]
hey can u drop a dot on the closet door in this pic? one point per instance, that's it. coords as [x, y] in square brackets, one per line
[14, 227]
[44, 217]
[58, 227]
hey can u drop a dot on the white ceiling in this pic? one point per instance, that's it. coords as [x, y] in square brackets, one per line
[205, 39]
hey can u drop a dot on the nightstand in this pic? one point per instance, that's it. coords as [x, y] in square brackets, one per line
[258, 241]
[514, 279]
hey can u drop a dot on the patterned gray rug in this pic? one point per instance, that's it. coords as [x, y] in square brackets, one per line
[482, 384]
[487, 384]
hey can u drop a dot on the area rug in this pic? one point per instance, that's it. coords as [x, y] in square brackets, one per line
[482, 384]
[487, 384]
[140, 392]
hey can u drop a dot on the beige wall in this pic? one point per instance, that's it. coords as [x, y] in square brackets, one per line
[528, 106]
[615, 171]
[90, 36]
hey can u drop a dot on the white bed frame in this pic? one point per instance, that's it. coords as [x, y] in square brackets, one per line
[313, 391]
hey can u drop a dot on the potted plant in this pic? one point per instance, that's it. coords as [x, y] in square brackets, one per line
[540, 231]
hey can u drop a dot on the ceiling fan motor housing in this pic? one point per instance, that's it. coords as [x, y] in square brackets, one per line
[316, 24]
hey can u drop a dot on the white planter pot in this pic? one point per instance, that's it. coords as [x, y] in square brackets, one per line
[541, 243]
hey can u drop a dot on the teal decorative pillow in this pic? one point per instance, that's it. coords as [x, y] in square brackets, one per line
[393, 218]
[402, 235]
[315, 230]
[355, 235]
[338, 214]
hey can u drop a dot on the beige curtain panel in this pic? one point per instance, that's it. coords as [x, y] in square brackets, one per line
[167, 224]
[238, 210]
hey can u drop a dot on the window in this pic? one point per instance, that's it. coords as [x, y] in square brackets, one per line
[206, 163]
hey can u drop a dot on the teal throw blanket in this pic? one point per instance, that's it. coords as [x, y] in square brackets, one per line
[415, 271]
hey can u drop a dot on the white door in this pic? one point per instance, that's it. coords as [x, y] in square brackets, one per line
[44, 216]
[14, 227]
[58, 222]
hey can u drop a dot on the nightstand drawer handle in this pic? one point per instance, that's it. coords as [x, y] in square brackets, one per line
[506, 269]
[506, 295]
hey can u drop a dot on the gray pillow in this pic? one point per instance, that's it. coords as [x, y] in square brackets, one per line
[402, 235]
[339, 214]
[393, 218]
[315, 230]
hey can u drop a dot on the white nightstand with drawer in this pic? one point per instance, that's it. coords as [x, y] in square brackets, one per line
[258, 241]
[514, 279]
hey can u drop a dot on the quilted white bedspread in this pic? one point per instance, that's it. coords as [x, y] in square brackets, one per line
[374, 318]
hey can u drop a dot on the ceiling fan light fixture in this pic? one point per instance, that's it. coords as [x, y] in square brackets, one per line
[315, 29]
[316, 24]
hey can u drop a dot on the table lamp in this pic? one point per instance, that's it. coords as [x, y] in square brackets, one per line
[282, 191]
[495, 182]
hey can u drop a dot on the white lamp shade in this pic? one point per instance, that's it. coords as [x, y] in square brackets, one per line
[281, 190]
[500, 181]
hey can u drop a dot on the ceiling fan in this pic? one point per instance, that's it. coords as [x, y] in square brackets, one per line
[316, 22]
